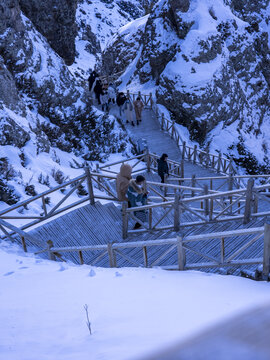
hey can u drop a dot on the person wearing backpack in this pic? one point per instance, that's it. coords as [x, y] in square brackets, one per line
[120, 100]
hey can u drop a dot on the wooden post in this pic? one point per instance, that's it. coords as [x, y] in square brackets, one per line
[147, 160]
[193, 184]
[222, 251]
[182, 169]
[89, 185]
[81, 257]
[23, 244]
[230, 187]
[230, 182]
[266, 250]
[145, 257]
[219, 162]
[255, 204]
[128, 95]
[50, 254]
[247, 213]
[206, 203]
[231, 166]
[195, 154]
[184, 150]
[211, 209]
[150, 218]
[176, 212]
[44, 206]
[124, 220]
[151, 100]
[181, 253]
[207, 158]
[111, 254]
[162, 121]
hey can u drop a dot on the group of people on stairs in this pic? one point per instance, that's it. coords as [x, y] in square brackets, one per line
[125, 104]
[104, 92]
[106, 95]
[134, 190]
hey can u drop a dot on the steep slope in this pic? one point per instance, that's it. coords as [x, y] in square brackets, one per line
[48, 125]
[97, 21]
[208, 62]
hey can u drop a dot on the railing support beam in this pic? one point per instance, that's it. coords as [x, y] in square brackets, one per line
[266, 251]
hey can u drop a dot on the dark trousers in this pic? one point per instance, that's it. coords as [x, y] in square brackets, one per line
[162, 177]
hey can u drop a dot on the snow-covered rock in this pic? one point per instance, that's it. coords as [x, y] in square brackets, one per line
[45, 112]
[209, 61]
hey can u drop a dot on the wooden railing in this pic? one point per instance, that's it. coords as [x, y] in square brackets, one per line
[205, 205]
[146, 99]
[180, 247]
[240, 204]
[216, 162]
[220, 206]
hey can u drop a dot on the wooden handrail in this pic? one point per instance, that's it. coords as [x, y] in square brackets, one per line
[180, 245]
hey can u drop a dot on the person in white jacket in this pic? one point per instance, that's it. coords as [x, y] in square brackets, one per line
[128, 107]
[111, 94]
[104, 99]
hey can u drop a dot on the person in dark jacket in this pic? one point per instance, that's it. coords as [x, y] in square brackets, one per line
[98, 89]
[92, 77]
[163, 168]
[120, 100]
[137, 196]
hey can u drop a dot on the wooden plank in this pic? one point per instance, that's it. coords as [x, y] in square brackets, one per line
[161, 257]
[181, 255]
[249, 190]
[244, 247]
[266, 250]
[81, 258]
[111, 254]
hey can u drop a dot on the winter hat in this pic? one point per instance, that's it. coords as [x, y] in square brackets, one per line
[140, 178]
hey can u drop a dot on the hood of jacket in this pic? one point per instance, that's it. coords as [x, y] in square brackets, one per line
[125, 171]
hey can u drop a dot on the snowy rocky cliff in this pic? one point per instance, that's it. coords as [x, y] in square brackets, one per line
[47, 123]
[207, 61]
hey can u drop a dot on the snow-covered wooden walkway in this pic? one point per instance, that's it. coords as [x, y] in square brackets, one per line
[98, 227]
[159, 141]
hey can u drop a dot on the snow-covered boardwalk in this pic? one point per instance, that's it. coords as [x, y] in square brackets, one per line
[160, 142]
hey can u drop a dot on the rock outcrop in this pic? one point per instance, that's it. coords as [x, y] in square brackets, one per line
[46, 116]
[56, 20]
[210, 64]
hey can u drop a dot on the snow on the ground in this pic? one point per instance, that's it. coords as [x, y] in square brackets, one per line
[133, 311]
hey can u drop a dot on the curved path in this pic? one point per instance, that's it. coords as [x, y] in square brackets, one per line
[159, 141]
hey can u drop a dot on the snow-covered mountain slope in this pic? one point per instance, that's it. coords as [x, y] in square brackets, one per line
[208, 62]
[97, 22]
[47, 122]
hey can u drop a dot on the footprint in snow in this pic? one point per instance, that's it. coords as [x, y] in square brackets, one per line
[117, 274]
[92, 273]
[9, 273]
[62, 268]
[23, 267]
